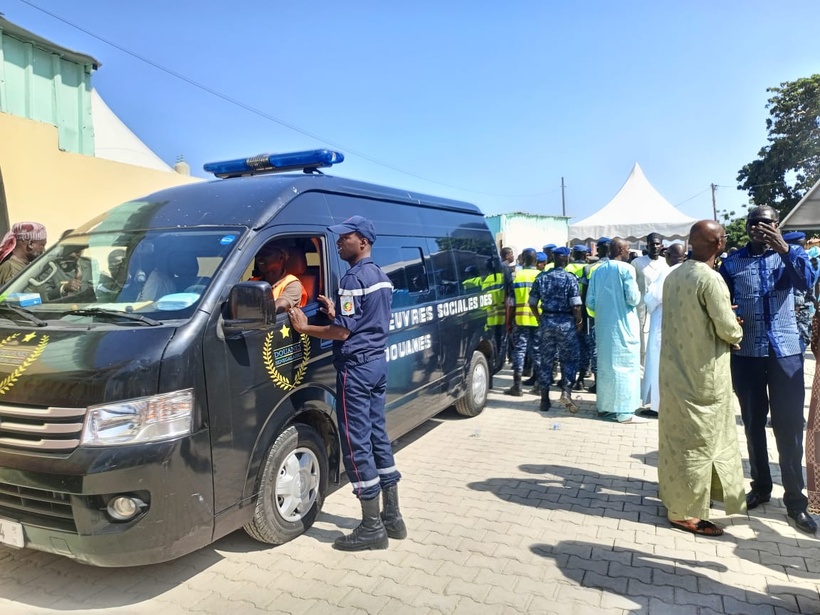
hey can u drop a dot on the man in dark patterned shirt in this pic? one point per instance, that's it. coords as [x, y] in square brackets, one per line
[556, 302]
[767, 370]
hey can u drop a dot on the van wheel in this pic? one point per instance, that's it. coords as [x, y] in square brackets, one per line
[478, 384]
[292, 487]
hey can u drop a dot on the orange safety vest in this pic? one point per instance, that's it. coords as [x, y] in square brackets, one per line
[281, 284]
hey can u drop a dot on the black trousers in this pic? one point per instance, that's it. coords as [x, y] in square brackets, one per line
[771, 383]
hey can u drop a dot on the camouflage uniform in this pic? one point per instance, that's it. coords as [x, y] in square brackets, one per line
[802, 314]
[557, 291]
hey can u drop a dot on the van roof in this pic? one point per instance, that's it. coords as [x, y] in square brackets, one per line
[246, 201]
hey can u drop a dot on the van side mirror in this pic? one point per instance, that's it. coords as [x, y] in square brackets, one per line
[250, 307]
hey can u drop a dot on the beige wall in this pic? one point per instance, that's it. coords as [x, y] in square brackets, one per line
[60, 189]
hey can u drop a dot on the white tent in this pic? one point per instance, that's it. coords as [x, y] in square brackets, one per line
[806, 214]
[637, 210]
[113, 140]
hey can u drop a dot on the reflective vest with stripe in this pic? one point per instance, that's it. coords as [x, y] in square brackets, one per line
[496, 312]
[281, 284]
[522, 284]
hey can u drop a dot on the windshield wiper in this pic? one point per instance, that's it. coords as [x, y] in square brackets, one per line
[115, 314]
[27, 314]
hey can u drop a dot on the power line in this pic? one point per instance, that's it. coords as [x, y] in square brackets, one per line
[267, 116]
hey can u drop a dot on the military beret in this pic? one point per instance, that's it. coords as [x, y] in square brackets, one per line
[604, 240]
[540, 257]
[561, 250]
[549, 247]
[794, 236]
[580, 248]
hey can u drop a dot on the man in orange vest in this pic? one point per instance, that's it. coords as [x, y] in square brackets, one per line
[271, 263]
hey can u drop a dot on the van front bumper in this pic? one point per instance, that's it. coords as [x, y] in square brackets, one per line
[61, 501]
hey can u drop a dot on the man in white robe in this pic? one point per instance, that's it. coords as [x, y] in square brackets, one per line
[650, 389]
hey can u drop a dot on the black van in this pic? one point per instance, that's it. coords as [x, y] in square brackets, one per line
[157, 402]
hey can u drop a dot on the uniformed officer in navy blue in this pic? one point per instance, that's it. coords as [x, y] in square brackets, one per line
[556, 302]
[361, 319]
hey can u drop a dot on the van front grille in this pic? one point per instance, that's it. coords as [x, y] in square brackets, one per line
[47, 430]
[49, 509]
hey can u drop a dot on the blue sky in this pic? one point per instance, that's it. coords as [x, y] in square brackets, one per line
[487, 102]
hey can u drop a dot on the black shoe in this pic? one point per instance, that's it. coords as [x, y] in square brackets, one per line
[545, 404]
[803, 521]
[593, 388]
[755, 499]
[651, 413]
[370, 534]
[530, 381]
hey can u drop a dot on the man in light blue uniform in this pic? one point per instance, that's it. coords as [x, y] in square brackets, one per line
[611, 299]
[361, 319]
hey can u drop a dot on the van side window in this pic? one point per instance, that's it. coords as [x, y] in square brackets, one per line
[405, 267]
[299, 256]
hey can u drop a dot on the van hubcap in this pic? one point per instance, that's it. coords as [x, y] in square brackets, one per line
[297, 485]
[479, 383]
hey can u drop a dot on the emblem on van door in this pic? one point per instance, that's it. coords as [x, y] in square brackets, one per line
[288, 354]
[20, 354]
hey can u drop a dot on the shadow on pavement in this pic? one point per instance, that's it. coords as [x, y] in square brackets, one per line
[45, 580]
[657, 582]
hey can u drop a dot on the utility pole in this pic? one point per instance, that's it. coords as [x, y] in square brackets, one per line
[563, 199]
[714, 204]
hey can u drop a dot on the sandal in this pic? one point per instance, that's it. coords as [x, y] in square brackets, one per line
[701, 527]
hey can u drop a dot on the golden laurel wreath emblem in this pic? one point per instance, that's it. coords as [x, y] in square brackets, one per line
[278, 379]
[8, 382]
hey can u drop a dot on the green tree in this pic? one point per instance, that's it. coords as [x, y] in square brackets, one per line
[735, 228]
[789, 165]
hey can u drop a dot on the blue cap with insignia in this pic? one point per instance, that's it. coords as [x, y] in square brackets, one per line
[794, 237]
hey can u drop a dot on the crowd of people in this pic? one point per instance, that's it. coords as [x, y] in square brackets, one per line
[736, 327]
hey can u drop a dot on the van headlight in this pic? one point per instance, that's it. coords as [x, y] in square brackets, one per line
[134, 421]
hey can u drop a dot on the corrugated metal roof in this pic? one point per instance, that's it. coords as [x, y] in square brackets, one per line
[11, 29]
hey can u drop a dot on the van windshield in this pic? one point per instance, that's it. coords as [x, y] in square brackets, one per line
[159, 274]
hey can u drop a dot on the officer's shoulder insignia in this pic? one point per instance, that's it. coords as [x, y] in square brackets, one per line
[287, 354]
[19, 353]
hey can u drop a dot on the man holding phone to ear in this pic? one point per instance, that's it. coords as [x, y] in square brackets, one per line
[767, 369]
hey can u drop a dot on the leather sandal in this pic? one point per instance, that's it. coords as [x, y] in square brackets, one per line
[701, 527]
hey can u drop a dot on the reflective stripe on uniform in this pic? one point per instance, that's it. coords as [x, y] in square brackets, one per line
[359, 292]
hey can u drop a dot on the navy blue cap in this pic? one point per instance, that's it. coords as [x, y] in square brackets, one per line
[549, 246]
[604, 240]
[540, 257]
[580, 248]
[528, 251]
[355, 224]
[794, 236]
[561, 250]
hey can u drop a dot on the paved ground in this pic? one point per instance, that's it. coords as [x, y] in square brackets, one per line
[509, 512]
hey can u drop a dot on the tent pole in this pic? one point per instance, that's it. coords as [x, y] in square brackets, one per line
[714, 204]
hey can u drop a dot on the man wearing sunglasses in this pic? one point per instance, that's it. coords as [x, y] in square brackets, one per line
[767, 370]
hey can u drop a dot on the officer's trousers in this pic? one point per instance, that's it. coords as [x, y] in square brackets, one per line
[762, 383]
[366, 450]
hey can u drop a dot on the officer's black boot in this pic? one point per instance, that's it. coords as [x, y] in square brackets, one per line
[545, 401]
[391, 516]
[531, 380]
[370, 534]
[515, 389]
[536, 389]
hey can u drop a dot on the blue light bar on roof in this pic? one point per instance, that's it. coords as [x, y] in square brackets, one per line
[275, 163]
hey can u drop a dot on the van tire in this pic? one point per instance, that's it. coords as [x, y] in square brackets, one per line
[477, 387]
[292, 487]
